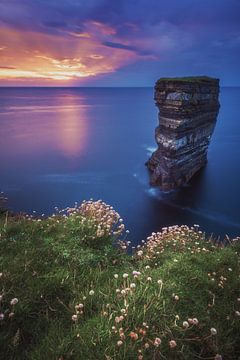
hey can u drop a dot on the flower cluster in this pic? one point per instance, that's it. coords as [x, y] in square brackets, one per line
[177, 238]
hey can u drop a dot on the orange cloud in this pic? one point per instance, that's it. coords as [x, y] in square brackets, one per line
[31, 56]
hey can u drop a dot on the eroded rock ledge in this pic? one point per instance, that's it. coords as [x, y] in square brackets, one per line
[188, 109]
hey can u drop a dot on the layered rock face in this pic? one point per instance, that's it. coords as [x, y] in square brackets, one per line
[188, 109]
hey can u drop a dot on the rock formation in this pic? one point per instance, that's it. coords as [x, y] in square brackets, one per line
[188, 109]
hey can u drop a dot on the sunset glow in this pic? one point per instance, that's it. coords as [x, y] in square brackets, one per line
[50, 57]
[103, 42]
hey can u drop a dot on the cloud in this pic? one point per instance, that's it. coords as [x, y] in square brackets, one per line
[7, 67]
[106, 36]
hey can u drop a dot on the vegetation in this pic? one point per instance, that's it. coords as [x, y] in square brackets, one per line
[67, 293]
[189, 79]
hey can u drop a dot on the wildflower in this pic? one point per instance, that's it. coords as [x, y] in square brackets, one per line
[118, 291]
[229, 269]
[132, 286]
[149, 279]
[116, 276]
[123, 292]
[147, 267]
[238, 299]
[185, 324]
[14, 301]
[74, 317]
[142, 332]
[11, 314]
[157, 342]
[91, 292]
[190, 321]
[146, 345]
[1, 296]
[195, 321]
[218, 357]
[176, 297]
[172, 344]
[133, 335]
[140, 253]
[213, 331]
[79, 306]
[119, 319]
[237, 313]
[159, 282]
[119, 343]
[1, 316]
[123, 311]
[125, 276]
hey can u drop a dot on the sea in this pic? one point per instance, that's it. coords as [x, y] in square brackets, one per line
[59, 146]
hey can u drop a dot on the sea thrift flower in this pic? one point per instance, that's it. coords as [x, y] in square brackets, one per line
[74, 317]
[195, 321]
[140, 253]
[218, 357]
[132, 286]
[190, 321]
[116, 276]
[176, 297]
[79, 306]
[14, 301]
[140, 357]
[125, 276]
[159, 282]
[185, 324]
[1, 316]
[133, 335]
[91, 292]
[237, 313]
[213, 331]
[142, 332]
[157, 342]
[149, 279]
[172, 344]
[11, 314]
[123, 292]
[146, 345]
[119, 343]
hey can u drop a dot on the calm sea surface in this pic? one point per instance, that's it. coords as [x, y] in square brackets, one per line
[61, 145]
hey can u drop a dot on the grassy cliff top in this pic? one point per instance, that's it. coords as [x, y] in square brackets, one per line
[67, 294]
[189, 79]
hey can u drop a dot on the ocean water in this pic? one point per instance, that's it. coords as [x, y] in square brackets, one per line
[61, 145]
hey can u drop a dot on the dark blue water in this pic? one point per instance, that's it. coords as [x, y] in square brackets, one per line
[61, 145]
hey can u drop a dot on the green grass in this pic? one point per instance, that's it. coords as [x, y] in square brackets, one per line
[191, 79]
[51, 266]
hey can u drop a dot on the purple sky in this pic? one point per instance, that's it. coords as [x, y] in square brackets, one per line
[117, 42]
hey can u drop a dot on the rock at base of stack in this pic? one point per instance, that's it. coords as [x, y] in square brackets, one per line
[188, 109]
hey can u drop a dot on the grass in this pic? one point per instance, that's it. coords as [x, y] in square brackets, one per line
[194, 79]
[67, 293]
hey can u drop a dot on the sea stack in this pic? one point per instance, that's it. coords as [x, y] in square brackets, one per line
[188, 109]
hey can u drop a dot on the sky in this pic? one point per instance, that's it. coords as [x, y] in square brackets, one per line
[117, 42]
